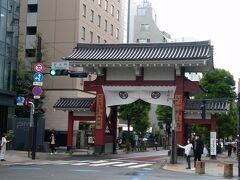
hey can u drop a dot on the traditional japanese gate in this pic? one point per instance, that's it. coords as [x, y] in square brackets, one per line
[125, 73]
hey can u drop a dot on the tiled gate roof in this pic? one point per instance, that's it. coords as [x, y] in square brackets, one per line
[73, 103]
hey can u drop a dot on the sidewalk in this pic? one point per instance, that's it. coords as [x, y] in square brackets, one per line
[213, 167]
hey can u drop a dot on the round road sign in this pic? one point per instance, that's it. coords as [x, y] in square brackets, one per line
[39, 67]
[37, 91]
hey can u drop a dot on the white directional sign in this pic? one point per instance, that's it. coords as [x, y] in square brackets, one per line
[60, 65]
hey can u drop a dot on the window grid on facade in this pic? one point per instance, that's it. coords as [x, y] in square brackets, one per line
[112, 10]
[118, 14]
[99, 21]
[99, 2]
[92, 15]
[83, 33]
[144, 27]
[105, 27]
[111, 29]
[117, 33]
[98, 39]
[91, 37]
[106, 5]
[84, 10]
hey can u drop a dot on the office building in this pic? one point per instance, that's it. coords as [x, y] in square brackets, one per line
[9, 20]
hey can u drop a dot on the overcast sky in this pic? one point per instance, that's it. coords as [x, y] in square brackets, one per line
[215, 20]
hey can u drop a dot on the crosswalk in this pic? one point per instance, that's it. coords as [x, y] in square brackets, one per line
[91, 163]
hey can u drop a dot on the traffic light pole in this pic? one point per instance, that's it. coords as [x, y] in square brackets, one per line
[173, 159]
[36, 114]
[238, 136]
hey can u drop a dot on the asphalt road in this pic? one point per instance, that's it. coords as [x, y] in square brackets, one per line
[68, 172]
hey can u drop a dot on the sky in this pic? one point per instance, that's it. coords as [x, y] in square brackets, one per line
[214, 20]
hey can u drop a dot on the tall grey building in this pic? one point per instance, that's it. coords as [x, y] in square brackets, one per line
[9, 19]
[62, 24]
[145, 25]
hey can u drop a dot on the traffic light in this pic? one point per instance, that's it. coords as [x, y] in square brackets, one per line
[59, 72]
[78, 74]
[203, 109]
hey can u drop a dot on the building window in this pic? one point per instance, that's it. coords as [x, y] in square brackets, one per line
[99, 21]
[91, 37]
[143, 40]
[144, 27]
[32, 8]
[105, 27]
[92, 16]
[141, 12]
[83, 33]
[31, 30]
[112, 10]
[111, 29]
[117, 33]
[84, 10]
[118, 14]
[99, 2]
[30, 52]
[98, 39]
[106, 5]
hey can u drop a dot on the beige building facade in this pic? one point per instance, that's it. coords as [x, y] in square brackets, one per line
[62, 24]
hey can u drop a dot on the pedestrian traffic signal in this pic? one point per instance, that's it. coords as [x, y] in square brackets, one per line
[59, 72]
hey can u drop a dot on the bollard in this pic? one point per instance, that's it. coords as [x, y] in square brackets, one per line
[228, 169]
[200, 167]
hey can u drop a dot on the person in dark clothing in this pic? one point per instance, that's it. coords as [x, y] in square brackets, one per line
[198, 147]
[229, 148]
[52, 143]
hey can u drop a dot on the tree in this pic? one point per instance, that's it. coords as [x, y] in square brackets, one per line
[219, 83]
[137, 114]
[164, 115]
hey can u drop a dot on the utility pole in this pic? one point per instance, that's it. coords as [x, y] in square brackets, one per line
[36, 114]
[238, 135]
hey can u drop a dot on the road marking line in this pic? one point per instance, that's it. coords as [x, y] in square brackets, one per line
[140, 165]
[79, 164]
[124, 164]
[105, 164]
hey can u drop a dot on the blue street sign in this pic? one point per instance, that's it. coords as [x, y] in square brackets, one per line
[38, 77]
[20, 100]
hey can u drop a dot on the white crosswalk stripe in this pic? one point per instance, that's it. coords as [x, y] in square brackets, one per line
[124, 164]
[109, 162]
[140, 166]
[105, 164]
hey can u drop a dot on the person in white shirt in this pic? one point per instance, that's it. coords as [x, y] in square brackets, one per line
[187, 152]
[3, 147]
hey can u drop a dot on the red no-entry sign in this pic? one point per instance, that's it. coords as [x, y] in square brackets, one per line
[39, 67]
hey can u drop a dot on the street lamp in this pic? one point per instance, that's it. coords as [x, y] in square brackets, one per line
[238, 136]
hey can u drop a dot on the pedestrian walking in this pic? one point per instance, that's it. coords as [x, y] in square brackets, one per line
[198, 147]
[52, 143]
[156, 143]
[187, 152]
[3, 147]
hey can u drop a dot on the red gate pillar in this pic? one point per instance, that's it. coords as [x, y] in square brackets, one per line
[100, 125]
[179, 108]
[70, 131]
